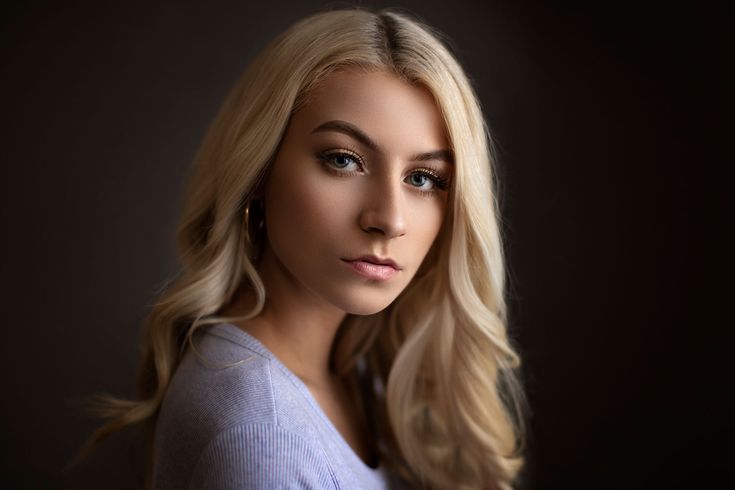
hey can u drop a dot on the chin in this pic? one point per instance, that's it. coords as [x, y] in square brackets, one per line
[365, 303]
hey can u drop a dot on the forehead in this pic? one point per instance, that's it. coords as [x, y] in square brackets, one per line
[398, 115]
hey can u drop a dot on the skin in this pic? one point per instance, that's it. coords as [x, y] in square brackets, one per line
[331, 196]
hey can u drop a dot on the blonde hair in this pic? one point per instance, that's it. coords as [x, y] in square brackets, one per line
[448, 405]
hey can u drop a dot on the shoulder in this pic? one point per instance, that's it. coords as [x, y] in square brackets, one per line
[229, 379]
[219, 384]
[261, 456]
[231, 411]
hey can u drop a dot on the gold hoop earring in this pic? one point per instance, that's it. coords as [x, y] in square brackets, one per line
[259, 217]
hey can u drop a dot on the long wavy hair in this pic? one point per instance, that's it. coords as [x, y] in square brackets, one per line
[444, 392]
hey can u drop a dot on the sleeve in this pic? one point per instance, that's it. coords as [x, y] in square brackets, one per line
[260, 457]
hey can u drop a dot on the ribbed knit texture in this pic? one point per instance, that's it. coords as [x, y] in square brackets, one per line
[254, 425]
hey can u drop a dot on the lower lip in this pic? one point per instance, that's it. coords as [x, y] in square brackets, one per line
[376, 272]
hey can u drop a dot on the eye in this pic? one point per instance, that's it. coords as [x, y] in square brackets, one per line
[420, 180]
[342, 160]
[427, 181]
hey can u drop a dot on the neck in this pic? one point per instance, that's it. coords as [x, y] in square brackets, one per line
[297, 326]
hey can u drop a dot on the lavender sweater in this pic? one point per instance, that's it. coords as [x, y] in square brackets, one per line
[251, 426]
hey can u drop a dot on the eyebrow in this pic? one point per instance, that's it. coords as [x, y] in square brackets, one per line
[444, 155]
[351, 130]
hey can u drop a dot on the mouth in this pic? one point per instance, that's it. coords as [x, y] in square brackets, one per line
[373, 267]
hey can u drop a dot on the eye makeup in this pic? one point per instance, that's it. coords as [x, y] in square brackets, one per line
[340, 160]
[439, 181]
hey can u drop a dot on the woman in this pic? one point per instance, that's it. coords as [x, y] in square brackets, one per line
[339, 319]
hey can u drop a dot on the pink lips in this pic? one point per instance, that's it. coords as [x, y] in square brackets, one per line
[378, 272]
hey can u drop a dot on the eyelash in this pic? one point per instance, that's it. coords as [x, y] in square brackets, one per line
[327, 157]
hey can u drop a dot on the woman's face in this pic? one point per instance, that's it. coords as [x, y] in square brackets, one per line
[361, 177]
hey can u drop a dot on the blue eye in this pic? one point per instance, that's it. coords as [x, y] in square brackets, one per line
[419, 180]
[421, 177]
[341, 160]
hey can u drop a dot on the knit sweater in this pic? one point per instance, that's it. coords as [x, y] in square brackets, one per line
[253, 425]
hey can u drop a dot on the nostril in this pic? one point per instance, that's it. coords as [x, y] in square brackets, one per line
[390, 230]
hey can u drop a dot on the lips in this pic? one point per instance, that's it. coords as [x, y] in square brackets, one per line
[377, 260]
[373, 267]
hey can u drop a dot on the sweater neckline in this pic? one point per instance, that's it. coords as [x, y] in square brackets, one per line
[237, 335]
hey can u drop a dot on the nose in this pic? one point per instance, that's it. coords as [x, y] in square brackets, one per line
[384, 211]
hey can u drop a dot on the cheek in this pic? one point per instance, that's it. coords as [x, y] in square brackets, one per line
[305, 208]
[427, 218]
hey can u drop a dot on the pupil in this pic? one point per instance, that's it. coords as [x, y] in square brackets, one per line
[342, 160]
[419, 179]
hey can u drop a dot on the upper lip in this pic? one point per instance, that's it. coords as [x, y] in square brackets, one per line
[374, 259]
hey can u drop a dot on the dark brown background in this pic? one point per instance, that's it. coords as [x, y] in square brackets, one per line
[608, 119]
